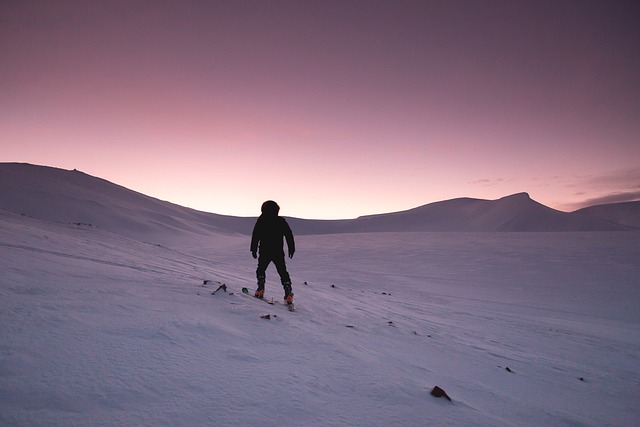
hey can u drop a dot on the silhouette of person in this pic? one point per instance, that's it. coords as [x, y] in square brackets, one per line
[267, 236]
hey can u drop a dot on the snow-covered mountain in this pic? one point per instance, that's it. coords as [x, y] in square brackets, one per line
[101, 326]
[626, 213]
[74, 197]
[512, 213]
[81, 198]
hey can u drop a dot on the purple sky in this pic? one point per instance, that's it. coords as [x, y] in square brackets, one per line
[333, 108]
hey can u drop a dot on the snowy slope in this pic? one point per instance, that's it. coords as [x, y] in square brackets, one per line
[627, 213]
[97, 328]
[72, 196]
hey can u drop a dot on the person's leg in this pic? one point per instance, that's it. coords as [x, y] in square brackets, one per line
[285, 279]
[261, 274]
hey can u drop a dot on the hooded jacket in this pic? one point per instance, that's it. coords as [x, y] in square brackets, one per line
[269, 231]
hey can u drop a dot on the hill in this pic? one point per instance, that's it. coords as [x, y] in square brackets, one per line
[627, 213]
[63, 196]
[74, 197]
[512, 213]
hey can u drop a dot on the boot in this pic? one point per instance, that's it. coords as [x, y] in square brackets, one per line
[288, 295]
[260, 291]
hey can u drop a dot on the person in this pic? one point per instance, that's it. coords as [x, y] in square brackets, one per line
[267, 236]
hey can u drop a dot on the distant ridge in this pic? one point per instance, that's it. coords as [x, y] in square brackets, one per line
[626, 213]
[517, 212]
[64, 196]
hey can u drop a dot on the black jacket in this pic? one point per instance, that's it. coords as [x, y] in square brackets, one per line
[268, 234]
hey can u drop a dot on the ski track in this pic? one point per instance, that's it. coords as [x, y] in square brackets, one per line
[97, 329]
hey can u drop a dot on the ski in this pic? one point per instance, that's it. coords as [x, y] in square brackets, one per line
[268, 301]
[290, 307]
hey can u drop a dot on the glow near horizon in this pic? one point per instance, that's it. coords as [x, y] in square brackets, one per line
[334, 111]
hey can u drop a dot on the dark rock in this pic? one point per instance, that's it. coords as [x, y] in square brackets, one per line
[438, 392]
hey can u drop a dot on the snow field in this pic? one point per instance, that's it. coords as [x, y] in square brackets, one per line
[97, 329]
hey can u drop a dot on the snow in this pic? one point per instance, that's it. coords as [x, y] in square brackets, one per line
[72, 196]
[108, 322]
[517, 212]
[625, 213]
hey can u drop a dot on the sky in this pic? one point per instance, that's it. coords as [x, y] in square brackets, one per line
[334, 109]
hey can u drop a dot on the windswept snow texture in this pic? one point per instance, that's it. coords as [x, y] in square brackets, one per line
[97, 329]
[108, 322]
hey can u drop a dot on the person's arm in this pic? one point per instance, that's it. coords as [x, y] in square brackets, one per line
[255, 238]
[288, 235]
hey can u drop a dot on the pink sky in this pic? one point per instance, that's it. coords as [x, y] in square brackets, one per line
[333, 108]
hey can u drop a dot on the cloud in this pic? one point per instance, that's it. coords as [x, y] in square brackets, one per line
[610, 198]
[487, 182]
[627, 178]
[616, 187]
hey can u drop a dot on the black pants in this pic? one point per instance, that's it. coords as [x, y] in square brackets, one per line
[278, 259]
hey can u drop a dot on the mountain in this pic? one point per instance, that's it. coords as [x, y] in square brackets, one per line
[517, 212]
[59, 195]
[627, 213]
